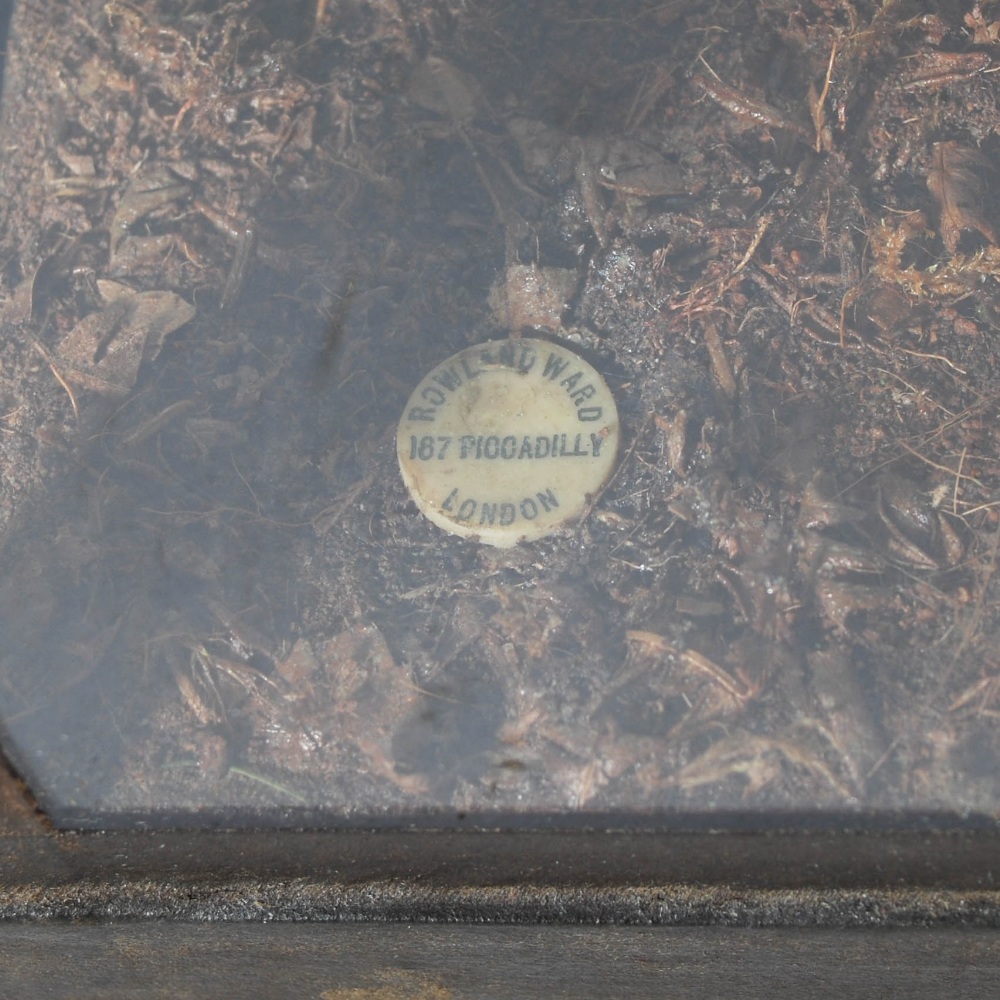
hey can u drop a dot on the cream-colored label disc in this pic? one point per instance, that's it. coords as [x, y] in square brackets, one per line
[508, 441]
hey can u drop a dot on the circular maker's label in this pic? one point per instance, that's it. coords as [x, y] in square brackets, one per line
[508, 441]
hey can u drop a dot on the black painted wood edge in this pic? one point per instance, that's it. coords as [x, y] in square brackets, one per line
[770, 880]
[938, 872]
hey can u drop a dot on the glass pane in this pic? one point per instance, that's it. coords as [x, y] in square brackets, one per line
[238, 237]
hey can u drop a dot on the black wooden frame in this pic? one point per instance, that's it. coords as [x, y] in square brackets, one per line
[413, 913]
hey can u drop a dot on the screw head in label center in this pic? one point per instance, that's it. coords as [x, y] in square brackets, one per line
[508, 441]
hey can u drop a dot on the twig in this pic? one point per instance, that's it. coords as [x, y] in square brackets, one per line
[59, 378]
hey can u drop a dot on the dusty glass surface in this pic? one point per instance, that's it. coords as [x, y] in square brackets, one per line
[236, 237]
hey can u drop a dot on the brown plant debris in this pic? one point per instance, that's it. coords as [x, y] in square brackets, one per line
[958, 181]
